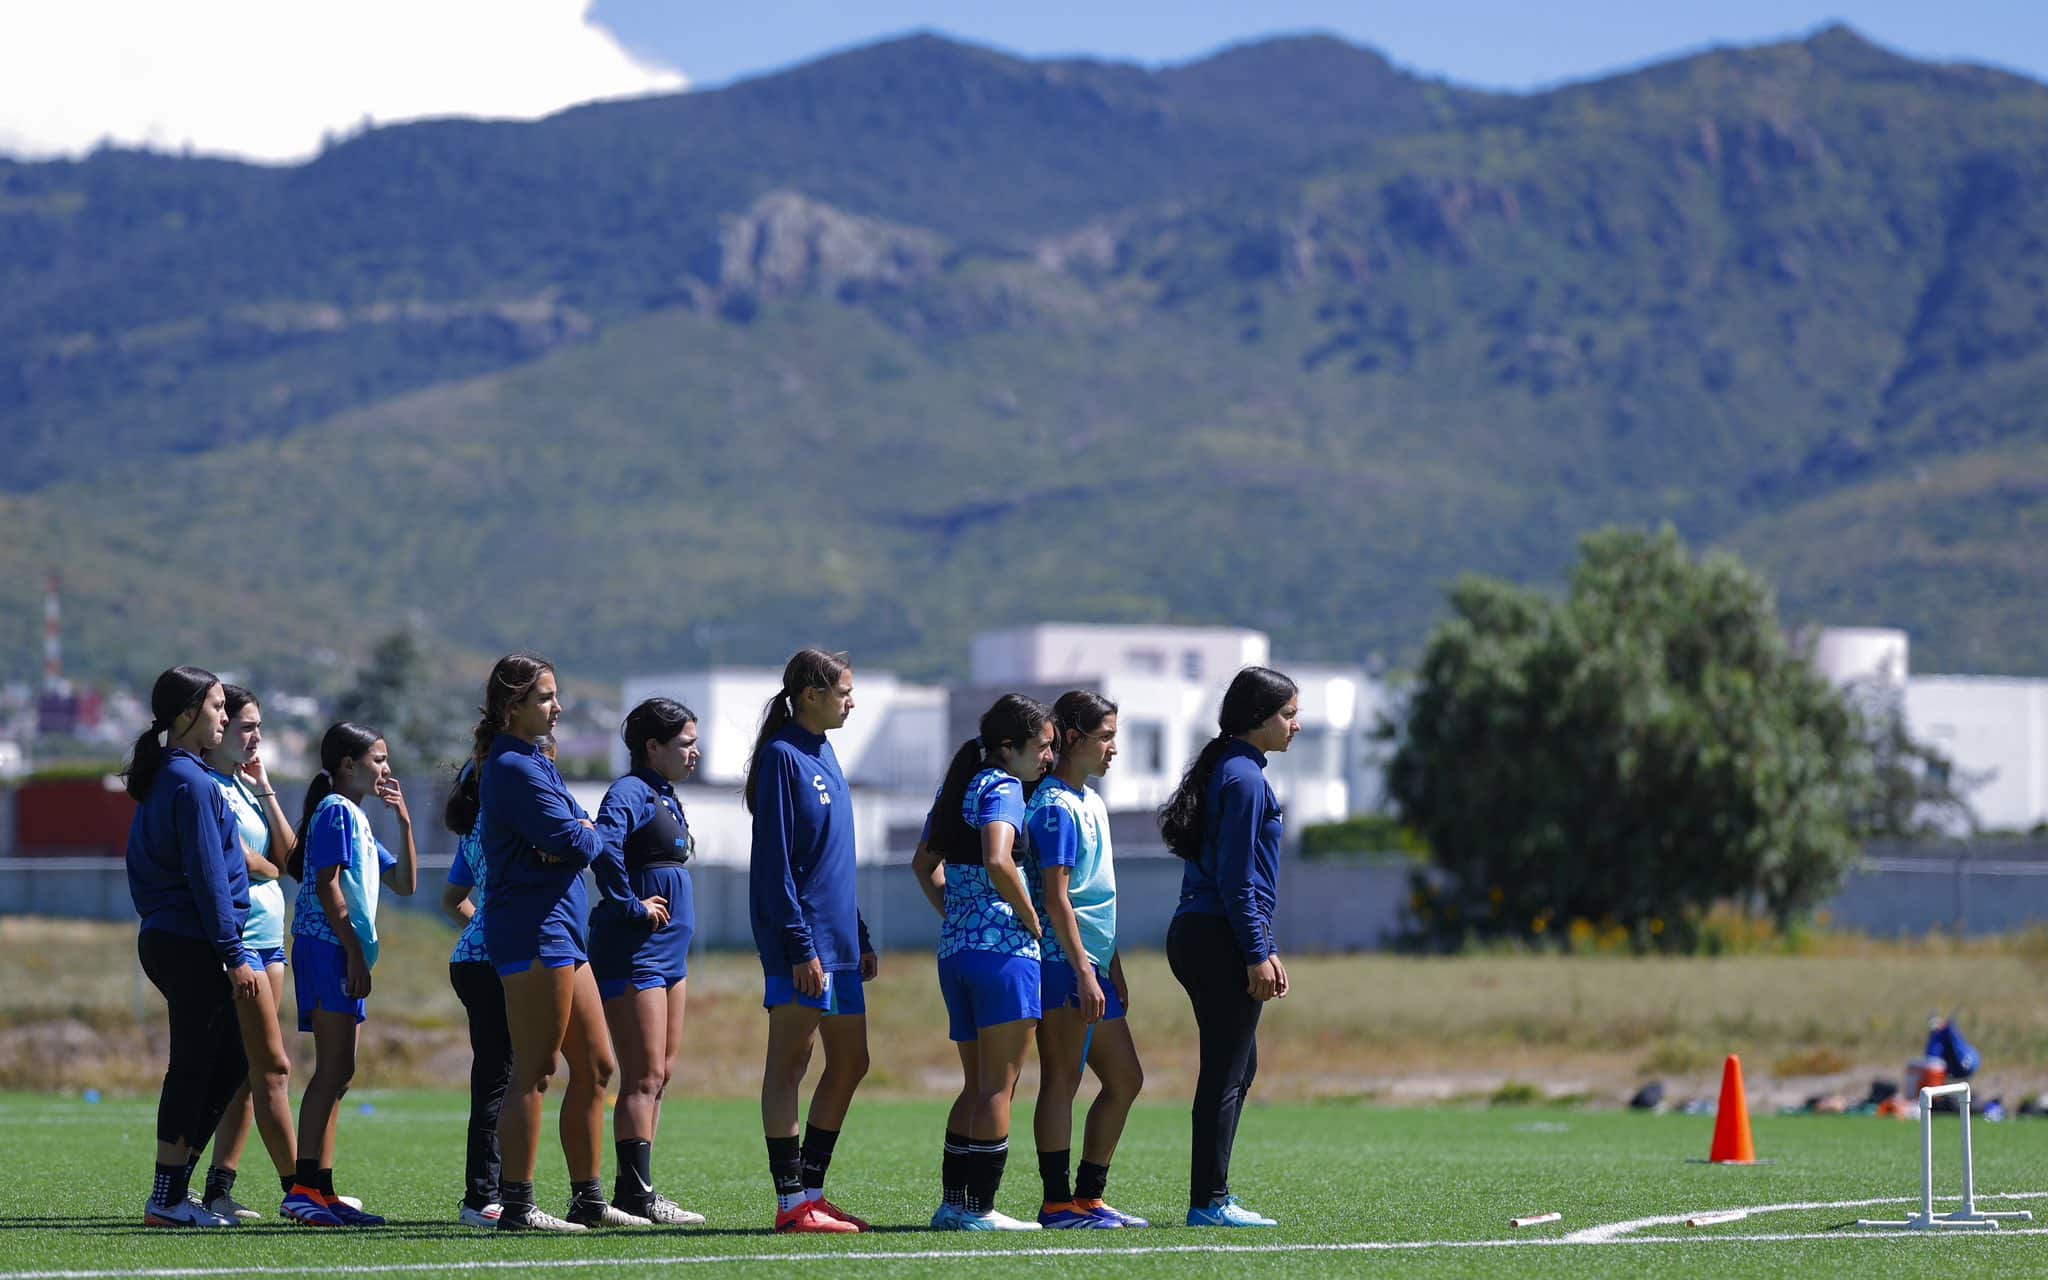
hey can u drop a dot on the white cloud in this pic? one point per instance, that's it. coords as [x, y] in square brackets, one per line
[264, 79]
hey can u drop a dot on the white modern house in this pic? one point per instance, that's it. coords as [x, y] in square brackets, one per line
[892, 748]
[1168, 683]
[1994, 728]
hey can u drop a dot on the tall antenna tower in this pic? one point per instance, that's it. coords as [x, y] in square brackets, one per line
[53, 636]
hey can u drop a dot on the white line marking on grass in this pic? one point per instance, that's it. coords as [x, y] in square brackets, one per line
[969, 1254]
[1613, 1232]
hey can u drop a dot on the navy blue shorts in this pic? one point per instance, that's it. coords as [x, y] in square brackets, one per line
[521, 931]
[845, 993]
[1059, 988]
[264, 957]
[320, 980]
[986, 989]
[626, 955]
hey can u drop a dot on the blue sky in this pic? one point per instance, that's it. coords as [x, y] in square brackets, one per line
[78, 73]
[1491, 43]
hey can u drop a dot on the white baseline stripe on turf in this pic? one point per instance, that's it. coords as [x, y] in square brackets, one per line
[1609, 1233]
[931, 1255]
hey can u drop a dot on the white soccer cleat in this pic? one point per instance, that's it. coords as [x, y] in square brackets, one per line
[605, 1215]
[185, 1213]
[228, 1207]
[993, 1220]
[486, 1217]
[667, 1213]
[536, 1220]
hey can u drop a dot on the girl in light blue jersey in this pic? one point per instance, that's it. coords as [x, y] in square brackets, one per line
[264, 835]
[1073, 883]
[340, 866]
[969, 864]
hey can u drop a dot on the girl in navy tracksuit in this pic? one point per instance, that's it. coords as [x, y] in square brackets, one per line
[1224, 820]
[814, 948]
[640, 938]
[477, 985]
[536, 841]
[190, 884]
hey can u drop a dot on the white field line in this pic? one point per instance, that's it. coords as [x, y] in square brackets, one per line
[1610, 1233]
[931, 1255]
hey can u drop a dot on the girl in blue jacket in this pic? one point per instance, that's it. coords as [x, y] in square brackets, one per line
[536, 842]
[815, 957]
[1223, 819]
[190, 884]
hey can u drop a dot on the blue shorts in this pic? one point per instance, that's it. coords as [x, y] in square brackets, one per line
[320, 979]
[627, 955]
[555, 931]
[986, 989]
[845, 994]
[264, 957]
[1059, 988]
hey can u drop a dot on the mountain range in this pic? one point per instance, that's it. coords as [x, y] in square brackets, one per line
[920, 339]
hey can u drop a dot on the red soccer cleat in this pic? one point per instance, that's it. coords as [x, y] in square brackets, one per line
[831, 1210]
[810, 1217]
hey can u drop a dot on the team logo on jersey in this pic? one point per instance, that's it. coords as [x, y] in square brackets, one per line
[818, 781]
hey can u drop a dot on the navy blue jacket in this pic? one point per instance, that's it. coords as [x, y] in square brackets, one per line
[801, 882]
[186, 871]
[629, 805]
[1238, 875]
[526, 807]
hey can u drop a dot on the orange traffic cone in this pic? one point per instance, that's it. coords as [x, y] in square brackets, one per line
[1732, 1144]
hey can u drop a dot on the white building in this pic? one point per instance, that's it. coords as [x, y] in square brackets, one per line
[1994, 729]
[891, 747]
[1168, 684]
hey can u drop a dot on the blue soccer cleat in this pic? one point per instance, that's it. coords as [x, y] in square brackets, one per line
[1103, 1209]
[1068, 1215]
[1227, 1212]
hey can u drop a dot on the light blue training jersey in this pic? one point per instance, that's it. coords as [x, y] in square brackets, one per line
[1070, 829]
[263, 929]
[338, 835]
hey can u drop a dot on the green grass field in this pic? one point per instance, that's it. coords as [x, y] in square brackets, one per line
[1358, 1189]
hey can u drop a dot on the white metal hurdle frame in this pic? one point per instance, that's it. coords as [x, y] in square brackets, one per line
[1968, 1217]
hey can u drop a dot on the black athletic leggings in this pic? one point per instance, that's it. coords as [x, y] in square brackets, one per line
[1204, 955]
[207, 1061]
[490, 1073]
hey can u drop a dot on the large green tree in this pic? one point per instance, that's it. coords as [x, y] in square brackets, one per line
[1629, 755]
[398, 693]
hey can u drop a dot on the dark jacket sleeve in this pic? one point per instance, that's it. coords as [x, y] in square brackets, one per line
[1243, 880]
[627, 807]
[771, 880]
[203, 847]
[545, 817]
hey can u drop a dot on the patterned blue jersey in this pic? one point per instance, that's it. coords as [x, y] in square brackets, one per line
[467, 872]
[977, 917]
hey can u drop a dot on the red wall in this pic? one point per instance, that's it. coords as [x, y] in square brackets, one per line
[71, 816]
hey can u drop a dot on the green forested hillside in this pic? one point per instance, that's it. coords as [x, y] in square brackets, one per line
[921, 339]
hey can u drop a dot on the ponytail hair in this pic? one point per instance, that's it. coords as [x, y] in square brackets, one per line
[510, 683]
[342, 741]
[1013, 718]
[176, 692]
[1255, 695]
[657, 718]
[806, 669]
